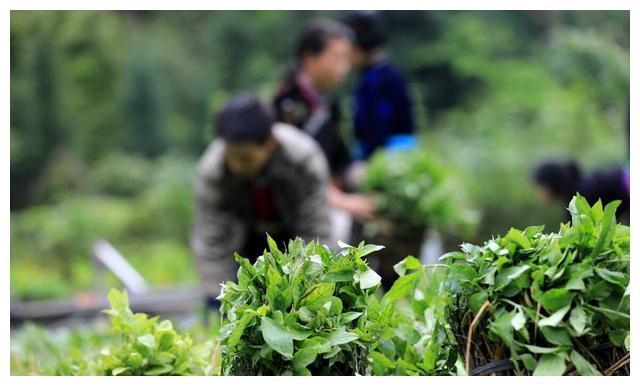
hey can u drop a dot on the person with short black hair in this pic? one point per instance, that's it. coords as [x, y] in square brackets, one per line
[304, 99]
[560, 181]
[257, 177]
[383, 107]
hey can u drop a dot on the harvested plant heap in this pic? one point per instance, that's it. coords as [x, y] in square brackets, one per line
[419, 339]
[416, 193]
[306, 310]
[142, 346]
[552, 303]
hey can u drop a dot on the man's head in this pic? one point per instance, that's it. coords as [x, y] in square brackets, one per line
[323, 52]
[369, 35]
[244, 124]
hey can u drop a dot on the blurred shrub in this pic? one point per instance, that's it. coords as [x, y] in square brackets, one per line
[119, 174]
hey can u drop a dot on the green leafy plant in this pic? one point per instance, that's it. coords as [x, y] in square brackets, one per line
[419, 339]
[554, 303]
[303, 311]
[416, 193]
[144, 346]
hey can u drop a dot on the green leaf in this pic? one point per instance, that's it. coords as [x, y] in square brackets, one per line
[304, 357]
[582, 365]
[607, 228]
[277, 337]
[341, 337]
[477, 300]
[401, 288]
[159, 370]
[507, 275]
[367, 249]
[519, 320]
[318, 294]
[409, 263]
[367, 279]
[119, 370]
[550, 364]
[236, 334]
[556, 298]
[612, 277]
[578, 320]
[555, 318]
[517, 237]
[147, 340]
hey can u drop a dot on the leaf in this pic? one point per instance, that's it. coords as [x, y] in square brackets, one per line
[542, 350]
[159, 370]
[555, 318]
[147, 340]
[401, 288]
[582, 365]
[607, 227]
[367, 279]
[519, 320]
[368, 249]
[477, 300]
[277, 337]
[517, 237]
[612, 277]
[236, 334]
[408, 263]
[556, 298]
[550, 364]
[318, 294]
[507, 275]
[349, 316]
[119, 370]
[578, 320]
[341, 337]
[304, 357]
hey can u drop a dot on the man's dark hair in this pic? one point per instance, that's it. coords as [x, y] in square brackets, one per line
[561, 178]
[367, 28]
[316, 36]
[244, 119]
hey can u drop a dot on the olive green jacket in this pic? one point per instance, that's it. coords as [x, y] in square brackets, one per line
[298, 176]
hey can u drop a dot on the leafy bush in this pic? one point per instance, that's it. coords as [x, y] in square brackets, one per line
[119, 174]
[555, 298]
[303, 311]
[417, 193]
[142, 346]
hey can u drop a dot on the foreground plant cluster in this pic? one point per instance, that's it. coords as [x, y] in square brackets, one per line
[527, 303]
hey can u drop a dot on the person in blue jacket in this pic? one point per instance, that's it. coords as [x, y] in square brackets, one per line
[383, 109]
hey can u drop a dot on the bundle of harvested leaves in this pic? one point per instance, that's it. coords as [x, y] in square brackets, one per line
[142, 346]
[419, 339]
[552, 303]
[302, 311]
[415, 194]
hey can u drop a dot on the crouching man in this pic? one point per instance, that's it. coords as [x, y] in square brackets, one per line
[257, 177]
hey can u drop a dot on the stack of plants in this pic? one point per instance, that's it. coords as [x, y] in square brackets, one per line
[415, 193]
[545, 303]
[143, 346]
[307, 310]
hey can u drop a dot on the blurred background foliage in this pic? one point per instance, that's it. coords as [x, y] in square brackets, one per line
[110, 111]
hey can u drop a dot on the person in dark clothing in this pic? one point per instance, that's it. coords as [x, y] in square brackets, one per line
[383, 107]
[559, 181]
[304, 99]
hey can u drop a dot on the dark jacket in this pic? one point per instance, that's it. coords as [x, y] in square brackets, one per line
[382, 107]
[298, 104]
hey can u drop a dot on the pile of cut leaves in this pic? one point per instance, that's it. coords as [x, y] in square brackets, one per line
[306, 310]
[545, 303]
[143, 346]
[415, 193]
